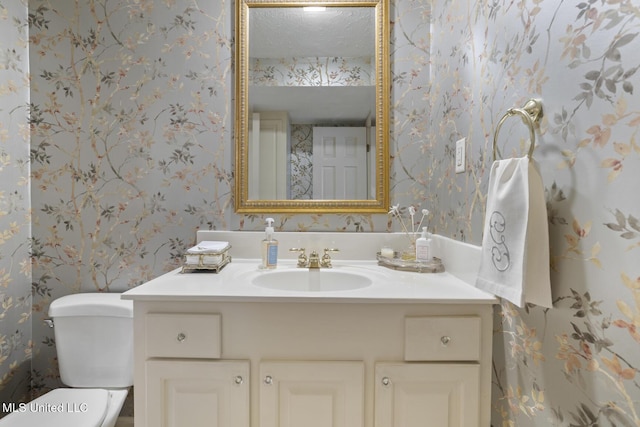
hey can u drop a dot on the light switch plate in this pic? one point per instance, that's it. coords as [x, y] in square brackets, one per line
[460, 155]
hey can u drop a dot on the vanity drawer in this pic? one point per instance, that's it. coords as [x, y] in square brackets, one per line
[442, 338]
[183, 335]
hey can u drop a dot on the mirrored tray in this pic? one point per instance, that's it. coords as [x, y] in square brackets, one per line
[435, 265]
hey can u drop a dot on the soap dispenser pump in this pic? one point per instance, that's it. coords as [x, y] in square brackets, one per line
[269, 247]
[423, 246]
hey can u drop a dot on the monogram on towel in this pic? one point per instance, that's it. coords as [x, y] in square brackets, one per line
[500, 249]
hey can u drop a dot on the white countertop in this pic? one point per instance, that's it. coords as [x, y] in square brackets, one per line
[233, 284]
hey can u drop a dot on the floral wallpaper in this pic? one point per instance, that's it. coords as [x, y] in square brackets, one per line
[578, 363]
[317, 71]
[125, 109]
[300, 161]
[130, 144]
[15, 222]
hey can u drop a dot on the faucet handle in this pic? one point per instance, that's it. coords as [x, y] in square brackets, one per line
[302, 258]
[326, 258]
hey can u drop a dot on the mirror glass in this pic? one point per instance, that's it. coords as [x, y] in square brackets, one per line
[311, 112]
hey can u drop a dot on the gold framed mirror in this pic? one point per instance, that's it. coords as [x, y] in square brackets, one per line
[312, 106]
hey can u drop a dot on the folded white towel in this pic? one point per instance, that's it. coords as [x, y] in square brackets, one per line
[209, 246]
[203, 259]
[515, 244]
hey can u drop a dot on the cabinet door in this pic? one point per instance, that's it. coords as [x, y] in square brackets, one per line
[312, 394]
[436, 394]
[197, 393]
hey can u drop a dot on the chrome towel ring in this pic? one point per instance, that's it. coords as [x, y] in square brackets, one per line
[531, 114]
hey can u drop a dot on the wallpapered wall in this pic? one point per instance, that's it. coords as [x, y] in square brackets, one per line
[576, 364]
[316, 71]
[131, 152]
[15, 223]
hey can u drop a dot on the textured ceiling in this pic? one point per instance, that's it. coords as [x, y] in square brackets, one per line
[293, 32]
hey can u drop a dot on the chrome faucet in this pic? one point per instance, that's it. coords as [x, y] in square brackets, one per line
[314, 260]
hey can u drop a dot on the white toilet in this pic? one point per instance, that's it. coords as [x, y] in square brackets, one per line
[94, 342]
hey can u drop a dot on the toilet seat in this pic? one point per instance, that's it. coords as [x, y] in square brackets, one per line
[62, 407]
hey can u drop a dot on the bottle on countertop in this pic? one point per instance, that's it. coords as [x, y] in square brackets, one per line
[423, 246]
[269, 247]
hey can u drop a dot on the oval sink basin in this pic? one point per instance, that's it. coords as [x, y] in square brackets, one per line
[305, 280]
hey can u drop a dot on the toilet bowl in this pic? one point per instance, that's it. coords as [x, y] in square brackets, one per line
[66, 407]
[94, 344]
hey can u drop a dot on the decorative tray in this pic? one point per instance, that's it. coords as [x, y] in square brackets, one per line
[226, 259]
[435, 265]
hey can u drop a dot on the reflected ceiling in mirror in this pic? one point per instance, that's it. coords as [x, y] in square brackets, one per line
[309, 100]
[333, 31]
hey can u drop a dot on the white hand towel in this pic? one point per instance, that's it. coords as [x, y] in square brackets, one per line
[208, 246]
[515, 244]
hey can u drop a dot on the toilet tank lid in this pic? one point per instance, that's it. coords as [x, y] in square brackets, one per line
[91, 304]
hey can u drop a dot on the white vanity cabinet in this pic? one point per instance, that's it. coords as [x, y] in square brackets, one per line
[186, 383]
[279, 363]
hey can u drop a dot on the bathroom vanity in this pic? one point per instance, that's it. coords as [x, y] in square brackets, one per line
[248, 348]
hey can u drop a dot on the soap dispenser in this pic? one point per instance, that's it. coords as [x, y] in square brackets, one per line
[269, 247]
[423, 246]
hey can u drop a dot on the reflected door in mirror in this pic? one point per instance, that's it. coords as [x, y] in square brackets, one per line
[340, 163]
[268, 153]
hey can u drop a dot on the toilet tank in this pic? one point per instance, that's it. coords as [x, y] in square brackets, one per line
[94, 339]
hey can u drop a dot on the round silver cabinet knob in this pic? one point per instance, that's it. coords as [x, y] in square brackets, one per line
[445, 340]
[238, 380]
[268, 380]
[386, 381]
[181, 337]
